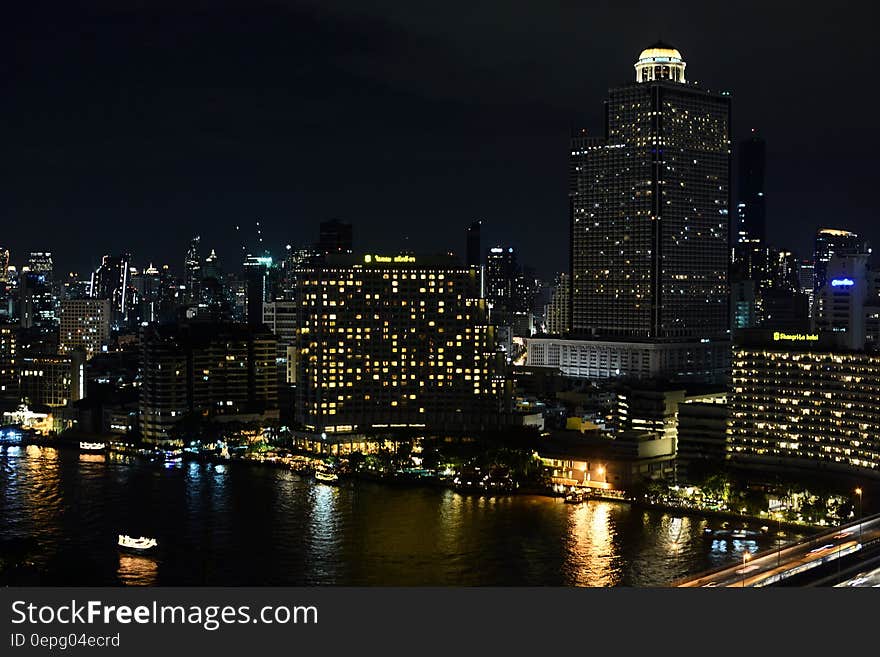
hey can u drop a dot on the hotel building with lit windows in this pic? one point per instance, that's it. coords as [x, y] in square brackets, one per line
[391, 342]
[800, 403]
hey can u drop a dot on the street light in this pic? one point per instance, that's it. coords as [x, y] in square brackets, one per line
[746, 556]
[859, 493]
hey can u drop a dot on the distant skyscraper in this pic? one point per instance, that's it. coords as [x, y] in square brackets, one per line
[111, 281]
[649, 204]
[335, 237]
[37, 290]
[193, 271]
[257, 289]
[502, 273]
[832, 242]
[474, 244]
[557, 312]
[8, 362]
[751, 206]
[211, 267]
[4, 264]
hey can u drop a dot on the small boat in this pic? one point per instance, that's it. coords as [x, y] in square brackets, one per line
[139, 545]
[743, 533]
[326, 475]
[87, 446]
[574, 498]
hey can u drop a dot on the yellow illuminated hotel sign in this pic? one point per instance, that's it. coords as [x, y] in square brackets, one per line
[398, 258]
[795, 337]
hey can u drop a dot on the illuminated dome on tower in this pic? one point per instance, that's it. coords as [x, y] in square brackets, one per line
[660, 62]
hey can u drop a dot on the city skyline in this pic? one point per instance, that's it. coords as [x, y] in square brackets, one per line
[287, 265]
[241, 142]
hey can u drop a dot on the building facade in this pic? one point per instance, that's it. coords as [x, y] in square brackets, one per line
[206, 368]
[649, 210]
[85, 325]
[8, 362]
[52, 380]
[796, 405]
[391, 342]
[607, 359]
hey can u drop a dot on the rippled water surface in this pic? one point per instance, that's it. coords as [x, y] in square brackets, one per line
[240, 524]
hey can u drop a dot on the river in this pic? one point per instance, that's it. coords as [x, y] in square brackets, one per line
[247, 524]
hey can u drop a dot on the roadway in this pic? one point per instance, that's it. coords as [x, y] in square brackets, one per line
[773, 566]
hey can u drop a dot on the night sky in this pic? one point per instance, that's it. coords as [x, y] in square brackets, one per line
[135, 125]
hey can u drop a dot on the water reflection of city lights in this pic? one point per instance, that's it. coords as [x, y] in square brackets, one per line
[137, 570]
[593, 545]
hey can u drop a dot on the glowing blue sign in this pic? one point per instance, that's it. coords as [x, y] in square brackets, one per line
[842, 282]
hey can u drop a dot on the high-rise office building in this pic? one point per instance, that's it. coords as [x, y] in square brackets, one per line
[832, 242]
[335, 236]
[649, 211]
[205, 368]
[85, 325]
[394, 341]
[474, 245]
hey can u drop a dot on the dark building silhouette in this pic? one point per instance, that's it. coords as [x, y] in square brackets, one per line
[335, 237]
[110, 281]
[474, 250]
[204, 368]
[257, 287]
[751, 205]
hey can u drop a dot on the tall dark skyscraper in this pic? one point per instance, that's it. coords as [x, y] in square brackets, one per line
[474, 244]
[649, 210]
[335, 237]
[751, 206]
[257, 288]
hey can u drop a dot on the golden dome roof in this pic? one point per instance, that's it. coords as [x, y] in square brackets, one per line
[660, 50]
